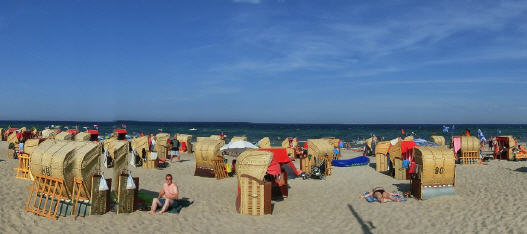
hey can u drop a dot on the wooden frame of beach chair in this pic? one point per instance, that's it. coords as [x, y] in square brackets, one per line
[254, 196]
[220, 171]
[150, 164]
[306, 163]
[436, 173]
[469, 158]
[319, 149]
[99, 200]
[79, 192]
[328, 167]
[45, 196]
[209, 159]
[23, 171]
[505, 141]
[381, 162]
[400, 173]
[125, 197]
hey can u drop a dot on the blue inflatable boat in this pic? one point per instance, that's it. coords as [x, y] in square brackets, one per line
[358, 161]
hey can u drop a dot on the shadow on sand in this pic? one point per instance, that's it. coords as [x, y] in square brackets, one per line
[403, 187]
[521, 169]
[366, 226]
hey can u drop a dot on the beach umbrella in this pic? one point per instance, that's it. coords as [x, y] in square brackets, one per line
[239, 145]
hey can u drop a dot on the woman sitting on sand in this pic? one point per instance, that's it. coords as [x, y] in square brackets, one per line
[381, 195]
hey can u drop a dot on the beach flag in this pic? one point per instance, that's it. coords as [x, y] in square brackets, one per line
[445, 128]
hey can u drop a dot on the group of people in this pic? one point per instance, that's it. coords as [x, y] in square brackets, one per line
[172, 147]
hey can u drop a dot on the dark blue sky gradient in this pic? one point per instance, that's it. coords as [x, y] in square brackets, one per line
[264, 61]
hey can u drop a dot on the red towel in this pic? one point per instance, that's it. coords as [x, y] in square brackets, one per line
[183, 146]
[279, 157]
[411, 170]
[279, 154]
[274, 168]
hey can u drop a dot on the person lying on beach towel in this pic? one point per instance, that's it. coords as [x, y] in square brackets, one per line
[167, 196]
[381, 195]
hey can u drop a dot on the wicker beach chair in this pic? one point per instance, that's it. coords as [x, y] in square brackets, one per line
[254, 197]
[318, 150]
[209, 162]
[264, 143]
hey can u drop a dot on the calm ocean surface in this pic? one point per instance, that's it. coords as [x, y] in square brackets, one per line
[277, 132]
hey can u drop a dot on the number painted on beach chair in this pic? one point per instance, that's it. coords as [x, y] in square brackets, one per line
[439, 170]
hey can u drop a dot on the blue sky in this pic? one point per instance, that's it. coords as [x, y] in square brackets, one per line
[265, 61]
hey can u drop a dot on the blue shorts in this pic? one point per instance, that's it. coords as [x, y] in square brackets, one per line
[163, 200]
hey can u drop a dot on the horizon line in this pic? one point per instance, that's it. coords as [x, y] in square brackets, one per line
[246, 122]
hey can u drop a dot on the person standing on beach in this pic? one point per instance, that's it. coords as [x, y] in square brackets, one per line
[175, 149]
[167, 196]
[152, 143]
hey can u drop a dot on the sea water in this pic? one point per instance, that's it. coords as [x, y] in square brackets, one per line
[278, 132]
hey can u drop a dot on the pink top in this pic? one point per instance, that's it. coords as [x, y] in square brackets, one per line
[170, 190]
[457, 144]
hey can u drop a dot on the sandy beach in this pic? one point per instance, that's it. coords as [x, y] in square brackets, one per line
[489, 199]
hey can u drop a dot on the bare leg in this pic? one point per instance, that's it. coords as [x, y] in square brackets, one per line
[179, 158]
[390, 196]
[155, 203]
[379, 197]
[168, 203]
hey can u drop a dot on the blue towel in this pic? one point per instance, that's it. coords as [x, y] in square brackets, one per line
[406, 164]
[373, 199]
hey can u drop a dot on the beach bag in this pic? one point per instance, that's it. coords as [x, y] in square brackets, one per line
[153, 155]
[103, 186]
[130, 183]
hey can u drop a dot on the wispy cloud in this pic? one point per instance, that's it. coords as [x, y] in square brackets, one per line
[446, 81]
[247, 1]
[347, 49]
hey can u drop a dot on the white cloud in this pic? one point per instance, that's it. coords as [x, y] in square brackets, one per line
[345, 48]
[435, 81]
[247, 1]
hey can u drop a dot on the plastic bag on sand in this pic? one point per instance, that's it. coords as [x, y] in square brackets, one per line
[130, 183]
[103, 186]
[153, 155]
